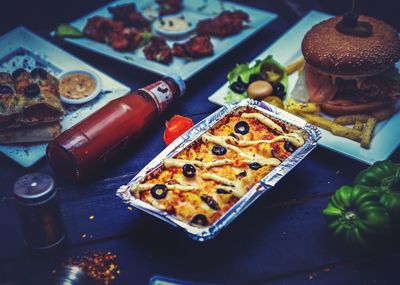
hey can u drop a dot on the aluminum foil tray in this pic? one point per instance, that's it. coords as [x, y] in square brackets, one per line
[266, 183]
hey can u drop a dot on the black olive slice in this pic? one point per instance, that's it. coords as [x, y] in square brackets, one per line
[277, 87]
[238, 86]
[200, 220]
[255, 165]
[255, 77]
[209, 200]
[242, 127]
[159, 191]
[17, 73]
[281, 94]
[218, 150]
[39, 72]
[189, 170]
[289, 147]
[32, 90]
[223, 191]
[5, 89]
[241, 174]
[273, 72]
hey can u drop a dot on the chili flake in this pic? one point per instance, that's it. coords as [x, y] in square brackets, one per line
[101, 266]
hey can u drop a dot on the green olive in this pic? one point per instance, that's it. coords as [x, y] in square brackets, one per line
[259, 89]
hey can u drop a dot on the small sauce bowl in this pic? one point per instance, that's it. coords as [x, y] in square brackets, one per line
[79, 86]
[174, 26]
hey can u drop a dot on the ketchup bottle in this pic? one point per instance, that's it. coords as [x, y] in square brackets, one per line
[80, 151]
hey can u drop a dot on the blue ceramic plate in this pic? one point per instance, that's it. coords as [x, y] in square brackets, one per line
[22, 48]
[194, 10]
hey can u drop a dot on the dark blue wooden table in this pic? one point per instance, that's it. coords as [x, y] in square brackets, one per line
[281, 239]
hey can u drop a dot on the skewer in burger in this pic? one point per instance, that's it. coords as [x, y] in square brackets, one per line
[350, 70]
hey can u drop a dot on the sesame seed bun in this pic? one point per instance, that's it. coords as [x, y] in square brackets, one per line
[339, 54]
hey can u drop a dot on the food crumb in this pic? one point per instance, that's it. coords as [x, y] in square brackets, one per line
[91, 217]
[101, 266]
[130, 208]
[312, 275]
[84, 235]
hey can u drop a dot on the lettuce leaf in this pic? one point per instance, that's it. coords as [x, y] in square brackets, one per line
[245, 70]
[233, 97]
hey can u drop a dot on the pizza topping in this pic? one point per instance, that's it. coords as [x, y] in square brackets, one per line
[189, 170]
[294, 138]
[241, 174]
[217, 178]
[265, 162]
[223, 191]
[39, 72]
[222, 141]
[200, 220]
[227, 184]
[266, 121]
[289, 146]
[242, 127]
[17, 73]
[136, 188]
[172, 162]
[218, 150]
[31, 90]
[159, 191]
[5, 90]
[209, 200]
[255, 165]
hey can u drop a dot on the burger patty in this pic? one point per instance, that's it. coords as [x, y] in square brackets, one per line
[372, 88]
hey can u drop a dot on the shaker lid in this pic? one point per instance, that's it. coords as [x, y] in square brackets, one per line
[34, 188]
[71, 275]
[179, 81]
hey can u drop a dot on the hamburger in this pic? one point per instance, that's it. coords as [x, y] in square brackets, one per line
[350, 72]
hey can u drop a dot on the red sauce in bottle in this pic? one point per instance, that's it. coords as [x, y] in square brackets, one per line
[80, 151]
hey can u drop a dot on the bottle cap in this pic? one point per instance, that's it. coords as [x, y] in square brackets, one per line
[179, 81]
[34, 188]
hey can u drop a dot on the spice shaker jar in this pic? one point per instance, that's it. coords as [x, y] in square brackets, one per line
[37, 205]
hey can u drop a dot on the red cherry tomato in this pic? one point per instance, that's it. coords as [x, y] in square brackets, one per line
[175, 127]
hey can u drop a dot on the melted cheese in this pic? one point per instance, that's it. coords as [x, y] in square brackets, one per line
[137, 188]
[228, 184]
[217, 178]
[295, 138]
[172, 162]
[252, 158]
[266, 121]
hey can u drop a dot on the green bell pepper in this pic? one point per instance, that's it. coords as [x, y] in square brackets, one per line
[383, 177]
[354, 215]
[68, 31]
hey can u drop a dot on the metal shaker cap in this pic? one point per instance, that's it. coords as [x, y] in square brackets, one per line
[71, 275]
[34, 188]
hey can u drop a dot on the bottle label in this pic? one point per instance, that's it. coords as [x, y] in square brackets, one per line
[162, 94]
